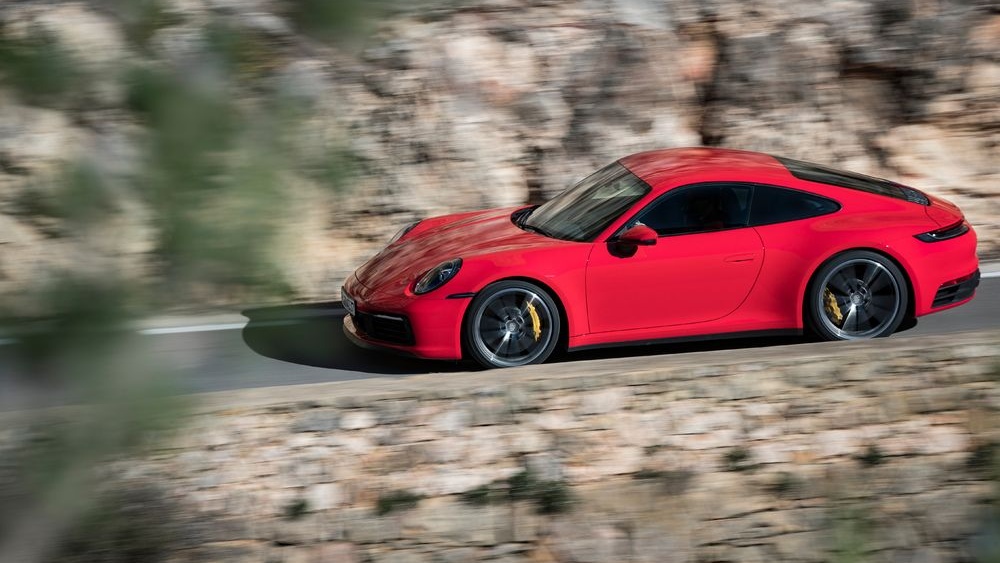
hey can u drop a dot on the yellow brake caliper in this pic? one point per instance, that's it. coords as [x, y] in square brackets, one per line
[536, 322]
[832, 308]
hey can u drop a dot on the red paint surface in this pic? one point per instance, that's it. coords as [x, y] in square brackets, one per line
[744, 279]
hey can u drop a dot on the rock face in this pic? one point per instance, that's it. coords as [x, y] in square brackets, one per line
[455, 106]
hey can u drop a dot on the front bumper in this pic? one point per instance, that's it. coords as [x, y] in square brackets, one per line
[361, 341]
[421, 326]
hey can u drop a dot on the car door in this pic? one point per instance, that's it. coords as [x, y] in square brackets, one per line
[702, 267]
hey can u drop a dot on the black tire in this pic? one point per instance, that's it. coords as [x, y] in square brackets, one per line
[856, 295]
[511, 323]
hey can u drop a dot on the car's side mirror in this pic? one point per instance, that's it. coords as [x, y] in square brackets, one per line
[639, 235]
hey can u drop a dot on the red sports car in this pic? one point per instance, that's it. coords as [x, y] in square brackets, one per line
[661, 245]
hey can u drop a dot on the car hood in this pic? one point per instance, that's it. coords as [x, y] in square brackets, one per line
[462, 236]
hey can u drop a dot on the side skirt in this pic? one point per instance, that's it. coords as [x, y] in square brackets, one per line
[699, 338]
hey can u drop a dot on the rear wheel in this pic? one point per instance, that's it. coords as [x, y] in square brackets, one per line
[511, 323]
[858, 294]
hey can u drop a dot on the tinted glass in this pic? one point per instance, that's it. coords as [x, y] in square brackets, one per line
[585, 210]
[698, 209]
[853, 180]
[777, 205]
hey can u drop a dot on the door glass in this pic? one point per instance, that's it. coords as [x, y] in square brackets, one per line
[698, 209]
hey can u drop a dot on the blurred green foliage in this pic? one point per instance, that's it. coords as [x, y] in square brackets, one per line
[40, 69]
[396, 500]
[244, 54]
[872, 456]
[141, 19]
[214, 179]
[336, 20]
[549, 497]
[216, 154]
[851, 534]
[296, 509]
[738, 459]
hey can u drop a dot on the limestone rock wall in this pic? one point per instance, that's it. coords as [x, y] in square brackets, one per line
[452, 106]
[883, 450]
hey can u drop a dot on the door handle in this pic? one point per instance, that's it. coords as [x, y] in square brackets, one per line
[741, 258]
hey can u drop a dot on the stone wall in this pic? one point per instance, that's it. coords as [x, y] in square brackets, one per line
[879, 449]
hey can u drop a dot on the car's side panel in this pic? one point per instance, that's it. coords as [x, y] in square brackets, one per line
[682, 279]
[794, 252]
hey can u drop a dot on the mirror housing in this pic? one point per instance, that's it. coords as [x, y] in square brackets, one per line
[639, 235]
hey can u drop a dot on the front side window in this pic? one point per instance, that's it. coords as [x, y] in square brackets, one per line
[778, 205]
[585, 210]
[700, 208]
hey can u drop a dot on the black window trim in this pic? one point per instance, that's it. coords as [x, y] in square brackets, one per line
[788, 189]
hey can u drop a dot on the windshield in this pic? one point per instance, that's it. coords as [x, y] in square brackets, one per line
[585, 210]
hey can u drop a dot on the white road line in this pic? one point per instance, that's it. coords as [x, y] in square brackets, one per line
[195, 328]
[991, 275]
[200, 328]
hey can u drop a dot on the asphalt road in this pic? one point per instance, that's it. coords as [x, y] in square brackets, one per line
[298, 344]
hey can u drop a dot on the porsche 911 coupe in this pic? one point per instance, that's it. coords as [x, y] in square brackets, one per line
[661, 245]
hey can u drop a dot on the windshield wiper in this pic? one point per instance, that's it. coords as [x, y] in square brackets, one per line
[535, 229]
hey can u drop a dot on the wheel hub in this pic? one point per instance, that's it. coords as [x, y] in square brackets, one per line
[861, 296]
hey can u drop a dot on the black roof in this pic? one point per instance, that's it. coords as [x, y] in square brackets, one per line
[826, 175]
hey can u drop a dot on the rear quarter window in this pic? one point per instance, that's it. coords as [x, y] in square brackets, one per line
[778, 205]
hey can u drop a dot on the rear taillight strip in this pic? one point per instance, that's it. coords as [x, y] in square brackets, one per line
[951, 231]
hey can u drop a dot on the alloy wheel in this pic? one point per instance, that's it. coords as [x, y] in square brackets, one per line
[860, 298]
[513, 326]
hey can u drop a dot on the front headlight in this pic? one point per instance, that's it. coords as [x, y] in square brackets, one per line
[437, 276]
[402, 232]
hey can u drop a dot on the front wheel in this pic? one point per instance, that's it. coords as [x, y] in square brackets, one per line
[511, 323]
[856, 295]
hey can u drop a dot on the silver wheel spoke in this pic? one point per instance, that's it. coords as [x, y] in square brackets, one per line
[495, 309]
[851, 314]
[879, 281]
[863, 316]
[882, 304]
[518, 345]
[868, 274]
[500, 346]
[530, 300]
[840, 284]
